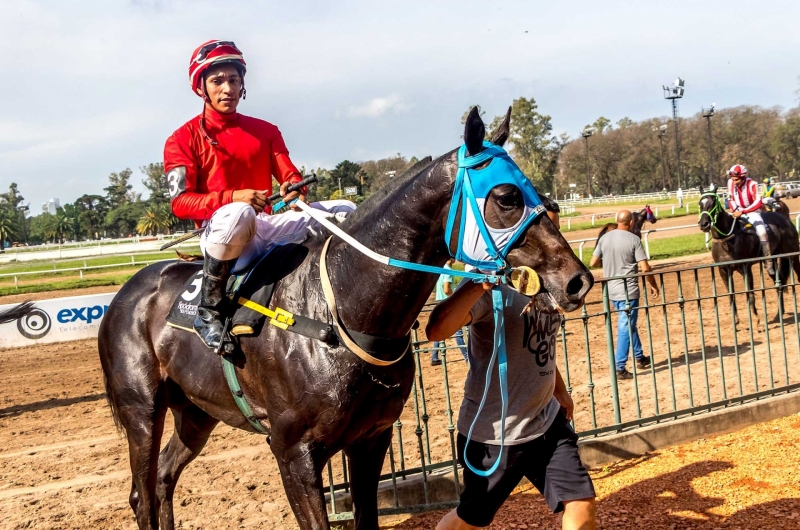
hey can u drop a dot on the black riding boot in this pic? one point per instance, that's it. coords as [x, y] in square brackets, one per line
[209, 322]
[767, 252]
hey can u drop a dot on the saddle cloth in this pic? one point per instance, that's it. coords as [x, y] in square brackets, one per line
[256, 284]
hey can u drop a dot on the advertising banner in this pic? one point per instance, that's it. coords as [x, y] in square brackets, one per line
[56, 320]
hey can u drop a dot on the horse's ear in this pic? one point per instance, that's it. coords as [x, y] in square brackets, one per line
[474, 132]
[503, 131]
[700, 189]
[713, 188]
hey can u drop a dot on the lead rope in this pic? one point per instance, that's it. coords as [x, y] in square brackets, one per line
[498, 353]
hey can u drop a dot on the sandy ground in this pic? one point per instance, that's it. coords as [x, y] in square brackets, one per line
[65, 466]
[745, 480]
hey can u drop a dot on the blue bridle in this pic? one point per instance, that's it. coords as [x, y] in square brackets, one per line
[471, 190]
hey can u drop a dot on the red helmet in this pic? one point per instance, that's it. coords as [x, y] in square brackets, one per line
[737, 170]
[212, 52]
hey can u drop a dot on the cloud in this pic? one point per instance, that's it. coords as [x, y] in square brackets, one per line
[377, 107]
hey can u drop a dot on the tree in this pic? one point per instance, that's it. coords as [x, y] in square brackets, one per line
[119, 191]
[92, 210]
[155, 181]
[9, 227]
[155, 219]
[531, 139]
[122, 221]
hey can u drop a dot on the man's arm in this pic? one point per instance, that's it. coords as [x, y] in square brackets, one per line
[595, 262]
[562, 396]
[447, 287]
[284, 170]
[652, 285]
[453, 313]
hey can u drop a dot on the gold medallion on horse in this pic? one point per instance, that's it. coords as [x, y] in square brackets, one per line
[525, 280]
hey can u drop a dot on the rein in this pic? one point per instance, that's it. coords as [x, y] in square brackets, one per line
[713, 215]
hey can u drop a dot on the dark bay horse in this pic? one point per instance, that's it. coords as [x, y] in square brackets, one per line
[639, 218]
[317, 399]
[732, 242]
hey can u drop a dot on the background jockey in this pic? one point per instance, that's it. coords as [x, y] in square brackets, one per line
[769, 194]
[219, 167]
[745, 200]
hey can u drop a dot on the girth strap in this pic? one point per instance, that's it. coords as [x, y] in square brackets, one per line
[330, 299]
[229, 369]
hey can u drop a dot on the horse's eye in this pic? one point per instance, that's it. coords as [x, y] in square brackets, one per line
[509, 201]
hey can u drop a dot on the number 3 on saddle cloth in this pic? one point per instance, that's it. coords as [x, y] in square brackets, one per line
[249, 294]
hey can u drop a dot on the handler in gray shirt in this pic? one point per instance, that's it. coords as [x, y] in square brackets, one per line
[539, 441]
[621, 254]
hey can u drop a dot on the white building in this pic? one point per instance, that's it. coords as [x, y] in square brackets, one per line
[51, 206]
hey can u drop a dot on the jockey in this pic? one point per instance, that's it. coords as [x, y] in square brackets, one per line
[745, 200]
[219, 167]
[769, 194]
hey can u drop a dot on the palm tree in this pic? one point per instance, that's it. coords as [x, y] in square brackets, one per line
[9, 227]
[155, 219]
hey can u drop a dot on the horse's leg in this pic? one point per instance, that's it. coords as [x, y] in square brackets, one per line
[749, 285]
[301, 472]
[725, 273]
[366, 462]
[142, 417]
[192, 429]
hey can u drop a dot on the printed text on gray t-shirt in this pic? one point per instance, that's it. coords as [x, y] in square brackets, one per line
[531, 351]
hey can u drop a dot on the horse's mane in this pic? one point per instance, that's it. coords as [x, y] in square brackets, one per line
[377, 198]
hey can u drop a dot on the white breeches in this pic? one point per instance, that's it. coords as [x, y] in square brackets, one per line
[758, 223]
[236, 231]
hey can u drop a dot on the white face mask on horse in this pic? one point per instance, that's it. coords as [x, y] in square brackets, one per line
[479, 244]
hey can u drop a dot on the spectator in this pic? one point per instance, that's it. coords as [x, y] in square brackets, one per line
[680, 198]
[444, 288]
[619, 255]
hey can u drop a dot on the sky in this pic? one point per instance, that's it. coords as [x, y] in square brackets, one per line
[93, 87]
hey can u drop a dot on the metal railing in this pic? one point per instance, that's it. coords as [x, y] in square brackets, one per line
[702, 360]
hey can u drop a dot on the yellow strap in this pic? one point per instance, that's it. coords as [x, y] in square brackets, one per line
[327, 289]
[280, 318]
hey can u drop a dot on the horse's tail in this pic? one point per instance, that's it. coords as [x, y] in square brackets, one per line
[111, 404]
[16, 312]
[603, 231]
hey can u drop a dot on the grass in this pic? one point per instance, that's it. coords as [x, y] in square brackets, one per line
[49, 266]
[60, 285]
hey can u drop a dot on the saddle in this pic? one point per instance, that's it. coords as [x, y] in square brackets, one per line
[250, 294]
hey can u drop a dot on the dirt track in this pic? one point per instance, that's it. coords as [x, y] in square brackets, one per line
[64, 465]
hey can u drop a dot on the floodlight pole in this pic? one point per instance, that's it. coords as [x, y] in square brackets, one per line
[707, 113]
[677, 139]
[661, 133]
[586, 134]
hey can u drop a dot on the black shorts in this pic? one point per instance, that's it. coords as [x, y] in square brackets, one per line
[550, 462]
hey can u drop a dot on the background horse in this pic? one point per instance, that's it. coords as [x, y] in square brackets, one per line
[732, 242]
[318, 399]
[639, 218]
